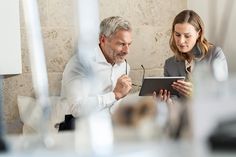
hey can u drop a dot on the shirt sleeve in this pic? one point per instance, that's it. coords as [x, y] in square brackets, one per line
[166, 68]
[219, 64]
[81, 101]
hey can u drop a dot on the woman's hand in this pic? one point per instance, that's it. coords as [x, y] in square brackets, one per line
[183, 87]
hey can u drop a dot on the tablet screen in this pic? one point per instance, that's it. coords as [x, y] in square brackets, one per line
[151, 84]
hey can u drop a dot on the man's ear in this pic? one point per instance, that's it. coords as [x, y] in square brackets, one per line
[102, 38]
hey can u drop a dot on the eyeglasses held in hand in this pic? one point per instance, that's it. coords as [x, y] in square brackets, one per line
[126, 72]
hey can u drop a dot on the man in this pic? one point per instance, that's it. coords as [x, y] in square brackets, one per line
[98, 83]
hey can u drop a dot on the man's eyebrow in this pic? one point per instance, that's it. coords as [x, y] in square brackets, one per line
[122, 41]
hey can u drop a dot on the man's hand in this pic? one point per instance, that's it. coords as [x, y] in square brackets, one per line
[123, 86]
[163, 95]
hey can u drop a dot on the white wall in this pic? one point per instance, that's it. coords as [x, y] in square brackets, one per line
[10, 51]
[219, 19]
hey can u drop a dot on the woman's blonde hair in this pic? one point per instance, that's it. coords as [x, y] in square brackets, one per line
[189, 16]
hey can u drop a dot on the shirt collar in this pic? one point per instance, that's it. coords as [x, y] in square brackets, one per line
[99, 57]
[189, 66]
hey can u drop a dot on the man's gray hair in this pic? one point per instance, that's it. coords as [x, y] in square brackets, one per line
[109, 26]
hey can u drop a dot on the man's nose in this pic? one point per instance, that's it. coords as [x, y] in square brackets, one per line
[126, 48]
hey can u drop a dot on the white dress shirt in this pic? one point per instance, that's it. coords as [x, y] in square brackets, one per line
[88, 84]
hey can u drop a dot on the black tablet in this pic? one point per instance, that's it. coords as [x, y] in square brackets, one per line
[151, 84]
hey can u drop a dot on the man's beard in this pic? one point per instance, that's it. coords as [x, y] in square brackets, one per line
[120, 57]
[116, 56]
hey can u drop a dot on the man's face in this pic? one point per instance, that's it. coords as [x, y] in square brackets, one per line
[116, 48]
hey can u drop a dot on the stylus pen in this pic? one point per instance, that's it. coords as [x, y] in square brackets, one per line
[126, 67]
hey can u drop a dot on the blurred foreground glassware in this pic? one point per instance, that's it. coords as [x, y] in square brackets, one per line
[213, 100]
[38, 66]
[94, 134]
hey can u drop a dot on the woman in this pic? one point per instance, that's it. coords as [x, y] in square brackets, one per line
[190, 47]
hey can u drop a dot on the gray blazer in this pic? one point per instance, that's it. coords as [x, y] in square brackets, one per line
[174, 67]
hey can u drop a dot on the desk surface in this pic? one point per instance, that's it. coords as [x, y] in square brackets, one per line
[65, 145]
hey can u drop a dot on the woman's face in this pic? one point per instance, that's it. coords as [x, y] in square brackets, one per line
[185, 37]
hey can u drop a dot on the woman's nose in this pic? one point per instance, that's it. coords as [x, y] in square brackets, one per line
[182, 40]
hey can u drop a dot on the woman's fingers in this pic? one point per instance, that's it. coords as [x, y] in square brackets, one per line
[183, 87]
